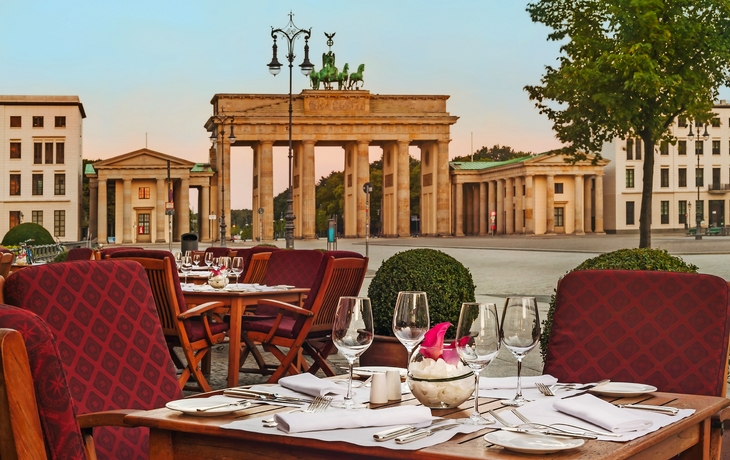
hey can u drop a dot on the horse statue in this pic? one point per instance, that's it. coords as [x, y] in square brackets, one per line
[328, 74]
[314, 79]
[356, 77]
[342, 77]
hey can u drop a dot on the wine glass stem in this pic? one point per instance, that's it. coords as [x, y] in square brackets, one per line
[349, 382]
[186, 278]
[519, 378]
[237, 276]
[476, 413]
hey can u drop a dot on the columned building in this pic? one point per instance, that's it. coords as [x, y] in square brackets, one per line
[535, 195]
[129, 195]
[354, 121]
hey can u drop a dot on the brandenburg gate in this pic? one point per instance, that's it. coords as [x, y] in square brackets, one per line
[353, 120]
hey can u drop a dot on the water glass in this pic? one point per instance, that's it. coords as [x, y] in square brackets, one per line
[352, 334]
[410, 319]
[186, 266]
[237, 267]
[519, 332]
[208, 259]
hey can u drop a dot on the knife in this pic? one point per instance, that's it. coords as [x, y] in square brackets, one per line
[264, 395]
[547, 433]
[664, 409]
[425, 432]
[387, 435]
[586, 388]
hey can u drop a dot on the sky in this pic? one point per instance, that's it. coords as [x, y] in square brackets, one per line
[146, 71]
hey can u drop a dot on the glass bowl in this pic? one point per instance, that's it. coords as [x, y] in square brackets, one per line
[437, 384]
[218, 281]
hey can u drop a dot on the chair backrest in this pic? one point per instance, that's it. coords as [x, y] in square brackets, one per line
[295, 268]
[256, 269]
[247, 253]
[34, 392]
[665, 329]
[103, 317]
[106, 252]
[6, 263]
[80, 254]
[217, 251]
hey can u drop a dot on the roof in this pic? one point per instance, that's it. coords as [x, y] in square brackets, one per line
[89, 169]
[201, 167]
[479, 165]
[44, 100]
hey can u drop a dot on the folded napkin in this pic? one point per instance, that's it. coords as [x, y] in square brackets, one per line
[604, 414]
[311, 385]
[298, 422]
[506, 383]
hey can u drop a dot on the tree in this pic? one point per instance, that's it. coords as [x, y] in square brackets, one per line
[495, 153]
[628, 68]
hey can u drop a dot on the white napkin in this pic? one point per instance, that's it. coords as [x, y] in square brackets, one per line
[506, 383]
[601, 413]
[312, 385]
[297, 422]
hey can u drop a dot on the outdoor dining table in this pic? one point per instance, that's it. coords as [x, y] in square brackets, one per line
[176, 436]
[236, 303]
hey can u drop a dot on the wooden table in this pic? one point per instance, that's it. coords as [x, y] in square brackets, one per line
[237, 303]
[174, 436]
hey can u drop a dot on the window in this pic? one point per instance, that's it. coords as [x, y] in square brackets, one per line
[49, 153]
[715, 122]
[37, 217]
[558, 187]
[60, 153]
[37, 153]
[682, 148]
[715, 147]
[664, 176]
[665, 212]
[716, 180]
[629, 213]
[14, 218]
[559, 217]
[664, 148]
[629, 178]
[143, 224]
[59, 184]
[682, 212]
[682, 177]
[60, 122]
[37, 184]
[682, 122]
[15, 122]
[15, 184]
[629, 149]
[59, 223]
[638, 149]
[699, 177]
[15, 150]
[144, 193]
[699, 147]
[37, 122]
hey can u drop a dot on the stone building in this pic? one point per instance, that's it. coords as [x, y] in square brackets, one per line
[41, 141]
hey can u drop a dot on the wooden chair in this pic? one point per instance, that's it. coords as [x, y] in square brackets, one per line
[665, 329]
[194, 330]
[6, 263]
[305, 329]
[256, 270]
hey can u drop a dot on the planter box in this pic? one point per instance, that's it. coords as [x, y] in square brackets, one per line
[385, 351]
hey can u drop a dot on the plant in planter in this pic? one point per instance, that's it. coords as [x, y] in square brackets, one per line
[446, 281]
[27, 231]
[623, 259]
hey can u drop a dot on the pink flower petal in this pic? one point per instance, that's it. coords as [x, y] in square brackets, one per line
[433, 342]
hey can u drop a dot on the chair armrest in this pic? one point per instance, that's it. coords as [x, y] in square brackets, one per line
[200, 309]
[721, 416]
[106, 418]
[285, 306]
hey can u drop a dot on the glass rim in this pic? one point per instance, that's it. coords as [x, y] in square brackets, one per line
[412, 292]
[440, 380]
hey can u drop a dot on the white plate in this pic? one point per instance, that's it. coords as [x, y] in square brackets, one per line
[367, 371]
[531, 443]
[622, 389]
[191, 406]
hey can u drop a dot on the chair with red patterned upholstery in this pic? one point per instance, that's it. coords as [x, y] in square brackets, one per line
[247, 253]
[80, 254]
[194, 330]
[107, 252]
[665, 329]
[113, 353]
[217, 251]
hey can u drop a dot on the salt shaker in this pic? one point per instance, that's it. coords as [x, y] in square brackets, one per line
[392, 379]
[378, 389]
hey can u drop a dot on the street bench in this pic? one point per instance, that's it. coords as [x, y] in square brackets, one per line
[714, 231]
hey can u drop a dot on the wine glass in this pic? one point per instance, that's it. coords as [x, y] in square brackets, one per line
[196, 260]
[186, 266]
[178, 259]
[519, 332]
[352, 334]
[237, 267]
[477, 343]
[410, 319]
[216, 263]
[225, 263]
[208, 259]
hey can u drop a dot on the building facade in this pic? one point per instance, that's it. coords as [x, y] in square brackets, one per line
[691, 176]
[41, 163]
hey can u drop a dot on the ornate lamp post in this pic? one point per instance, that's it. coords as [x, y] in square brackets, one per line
[221, 120]
[698, 210]
[290, 34]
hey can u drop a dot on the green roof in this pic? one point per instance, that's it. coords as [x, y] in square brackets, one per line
[479, 165]
[89, 169]
[201, 167]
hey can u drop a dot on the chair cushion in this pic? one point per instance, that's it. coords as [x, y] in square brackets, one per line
[247, 253]
[285, 329]
[341, 254]
[217, 251]
[79, 254]
[55, 405]
[196, 329]
[664, 329]
[296, 267]
[109, 251]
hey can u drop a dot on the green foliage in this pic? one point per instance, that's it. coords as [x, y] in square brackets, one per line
[623, 259]
[445, 280]
[61, 257]
[495, 153]
[26, 231]
[629, 68]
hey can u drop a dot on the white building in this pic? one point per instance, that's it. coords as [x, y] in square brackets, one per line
[41, 163]
[675, 198]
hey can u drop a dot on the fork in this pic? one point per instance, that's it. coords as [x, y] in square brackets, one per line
[554, 430]
[544, 389]
[318, 404]
[553, 425]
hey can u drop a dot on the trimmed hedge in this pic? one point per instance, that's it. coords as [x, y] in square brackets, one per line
[446, 281]
[623, 259]
[26, 231]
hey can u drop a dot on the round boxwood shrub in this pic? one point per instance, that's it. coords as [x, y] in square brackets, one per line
[27, 231]
[623, 259]
[445, 280]
[61, 257]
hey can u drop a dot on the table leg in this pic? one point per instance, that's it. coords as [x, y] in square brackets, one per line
[234, 341]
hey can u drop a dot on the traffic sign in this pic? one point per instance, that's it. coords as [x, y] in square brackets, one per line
[169, 205]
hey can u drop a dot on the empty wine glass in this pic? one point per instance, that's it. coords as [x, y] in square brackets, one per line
[352, 334]
[410, 319]
[237, 267]
[216, 263]
[208, 259]
[178, 259]
[477, 343]
[186, 265]
[519, 332]
[225, 263]
[196, 260]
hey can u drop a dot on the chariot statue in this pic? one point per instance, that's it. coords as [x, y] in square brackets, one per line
[329, 73]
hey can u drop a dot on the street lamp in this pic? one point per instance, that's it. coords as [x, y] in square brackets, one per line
[698, 210]
[290, 33]
[368, 189]
[231, 139]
